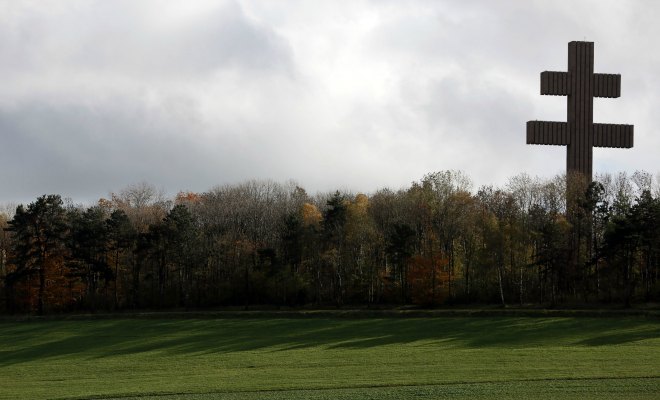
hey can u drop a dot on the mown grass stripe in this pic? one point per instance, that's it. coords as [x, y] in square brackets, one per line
[282, 358]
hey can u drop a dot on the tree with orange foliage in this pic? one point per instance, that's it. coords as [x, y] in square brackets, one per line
[187, 198]
[428, 280]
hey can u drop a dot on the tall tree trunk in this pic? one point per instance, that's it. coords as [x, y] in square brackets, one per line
[467, 281]
[136, 282]
[521, 286]
[247, 286]
[499, 276]
[42, 283]
[116, 279]
[433, 283]
[450, 249]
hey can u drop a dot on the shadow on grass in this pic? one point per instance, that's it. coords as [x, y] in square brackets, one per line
[34, 341]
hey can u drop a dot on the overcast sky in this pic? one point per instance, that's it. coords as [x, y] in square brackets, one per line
[357, 95]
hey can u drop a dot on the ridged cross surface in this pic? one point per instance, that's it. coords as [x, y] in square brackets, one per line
[579, 133]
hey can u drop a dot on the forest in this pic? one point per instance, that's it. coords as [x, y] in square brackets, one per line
[439, 242]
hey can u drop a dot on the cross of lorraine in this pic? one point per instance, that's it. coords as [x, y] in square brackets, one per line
[580, 134]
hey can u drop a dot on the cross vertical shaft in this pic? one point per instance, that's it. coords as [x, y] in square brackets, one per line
[580, 113]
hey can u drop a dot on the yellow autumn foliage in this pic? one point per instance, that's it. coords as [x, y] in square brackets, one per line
[311, 215]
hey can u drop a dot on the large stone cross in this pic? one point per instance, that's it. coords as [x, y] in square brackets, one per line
[579, 133]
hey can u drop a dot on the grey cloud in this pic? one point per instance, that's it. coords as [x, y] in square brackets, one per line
[113, 37]
[84, 153]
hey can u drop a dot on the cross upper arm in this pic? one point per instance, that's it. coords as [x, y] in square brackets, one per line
[607, 85]
[555, 83]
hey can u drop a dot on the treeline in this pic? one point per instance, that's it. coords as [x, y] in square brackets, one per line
[264, 243]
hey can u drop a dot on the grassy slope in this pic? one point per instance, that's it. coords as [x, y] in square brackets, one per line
[332, 358]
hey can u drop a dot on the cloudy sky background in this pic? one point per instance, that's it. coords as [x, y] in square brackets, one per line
[355, 95]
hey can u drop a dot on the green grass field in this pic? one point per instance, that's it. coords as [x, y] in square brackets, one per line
[325, 358]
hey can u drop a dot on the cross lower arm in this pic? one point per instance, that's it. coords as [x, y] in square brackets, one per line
[613, 135]
[547, 132]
